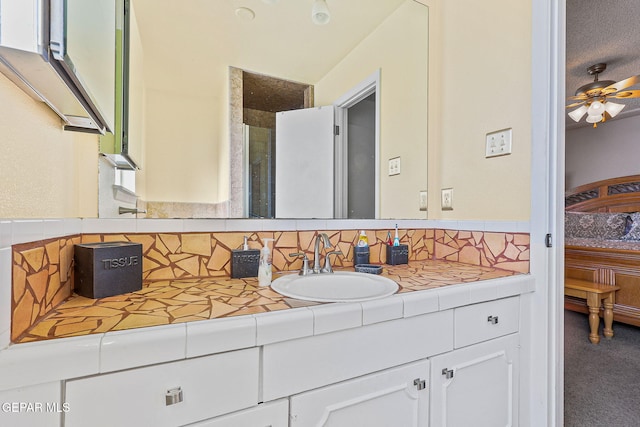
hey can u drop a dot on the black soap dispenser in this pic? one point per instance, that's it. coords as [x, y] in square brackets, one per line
[245, 261]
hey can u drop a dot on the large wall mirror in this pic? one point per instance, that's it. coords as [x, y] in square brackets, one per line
[214, 86]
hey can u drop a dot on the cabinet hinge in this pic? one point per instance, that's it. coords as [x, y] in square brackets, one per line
[448, 373]
[336, 130]
[420, 384]
[548, 241]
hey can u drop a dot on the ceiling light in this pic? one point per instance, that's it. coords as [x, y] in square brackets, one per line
[245, 13]
[577, 114]
[593, 98]
[594, 119]
[596, 108]
[320, 12]
[613, 109]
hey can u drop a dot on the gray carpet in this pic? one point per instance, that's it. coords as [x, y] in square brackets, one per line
[601, 382]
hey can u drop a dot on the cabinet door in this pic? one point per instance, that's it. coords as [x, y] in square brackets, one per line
[168, 394]
[476, 386]
[37, 405]
[393, 397]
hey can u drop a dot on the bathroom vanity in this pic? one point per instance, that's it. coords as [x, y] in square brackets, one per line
[415, 358]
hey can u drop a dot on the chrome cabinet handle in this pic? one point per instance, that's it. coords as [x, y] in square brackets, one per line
[173, 396]
[493, 320]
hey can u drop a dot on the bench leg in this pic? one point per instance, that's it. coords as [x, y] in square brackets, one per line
[608, 316]
[593, 302]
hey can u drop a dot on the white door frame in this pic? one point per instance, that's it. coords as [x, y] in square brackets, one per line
[546, 335]
[366, 87]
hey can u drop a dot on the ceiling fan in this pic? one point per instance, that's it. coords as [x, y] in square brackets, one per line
[593, 98]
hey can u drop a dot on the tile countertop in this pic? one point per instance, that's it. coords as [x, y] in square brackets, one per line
[177, 301]
[173, 320]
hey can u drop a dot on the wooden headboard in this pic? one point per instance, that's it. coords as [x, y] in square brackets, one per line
[610, 195]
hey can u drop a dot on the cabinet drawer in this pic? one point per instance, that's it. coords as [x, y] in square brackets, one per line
[209, 386]
[481, 322]
[294, 366]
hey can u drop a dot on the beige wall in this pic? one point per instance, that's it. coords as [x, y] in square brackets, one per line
[180, 155]
[485, 69]
[398, 48]
[45, 172]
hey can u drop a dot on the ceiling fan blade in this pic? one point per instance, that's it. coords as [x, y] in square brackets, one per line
[625, 94]
[578, 98]
[622, 84]
[575, 104]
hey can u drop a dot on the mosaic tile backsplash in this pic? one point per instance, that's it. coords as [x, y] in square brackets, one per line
[43, 270]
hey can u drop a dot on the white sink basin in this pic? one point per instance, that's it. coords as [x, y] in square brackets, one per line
[341, 286]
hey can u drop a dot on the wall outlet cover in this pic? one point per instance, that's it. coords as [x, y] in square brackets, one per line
[394, 166]
[447, 199]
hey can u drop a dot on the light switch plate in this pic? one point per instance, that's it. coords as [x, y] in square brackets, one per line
[423, 200]
[447, 199]
[394, 166]
[498, 143]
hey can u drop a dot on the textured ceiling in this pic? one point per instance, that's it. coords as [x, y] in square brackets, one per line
[602, 31]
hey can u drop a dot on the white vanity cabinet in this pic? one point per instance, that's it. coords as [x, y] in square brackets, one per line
[296, 366]
[272, 414]
[169, 394]
[477, 384]
[36, 405]
[393, 397]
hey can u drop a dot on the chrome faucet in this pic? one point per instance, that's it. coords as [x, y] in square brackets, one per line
[316, 252]
[305, 270]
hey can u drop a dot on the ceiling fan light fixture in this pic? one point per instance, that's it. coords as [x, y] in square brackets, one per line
[594, 118]
[596, 108]
[577, 114]
[613, 108]
[320, 12]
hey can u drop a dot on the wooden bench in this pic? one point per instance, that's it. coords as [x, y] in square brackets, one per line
[594, 293]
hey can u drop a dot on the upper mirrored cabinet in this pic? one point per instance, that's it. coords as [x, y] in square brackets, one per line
[63, 53]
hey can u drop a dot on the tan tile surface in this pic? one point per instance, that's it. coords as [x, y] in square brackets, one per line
[192, 269]
[177, 301]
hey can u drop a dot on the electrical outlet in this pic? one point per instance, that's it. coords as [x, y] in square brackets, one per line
[394, 166]
[423, 200]
[498, 143]
[447, 199]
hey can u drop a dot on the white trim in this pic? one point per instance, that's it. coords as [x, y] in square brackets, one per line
[371, 84]
[543, 357]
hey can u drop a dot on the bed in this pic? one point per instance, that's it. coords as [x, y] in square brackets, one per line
[602, 242]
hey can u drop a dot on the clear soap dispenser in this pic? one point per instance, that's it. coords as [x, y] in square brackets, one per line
[264, 270]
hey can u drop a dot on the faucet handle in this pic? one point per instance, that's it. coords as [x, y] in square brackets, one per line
[327, 262]
[305, 262]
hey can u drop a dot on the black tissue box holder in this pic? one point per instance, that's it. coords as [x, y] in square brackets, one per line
[397, 254]
[244, 263]
[107, 268]
[360, 255]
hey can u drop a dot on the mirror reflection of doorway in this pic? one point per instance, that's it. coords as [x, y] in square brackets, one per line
[259, 164]
[361, 159]
[254, 101]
